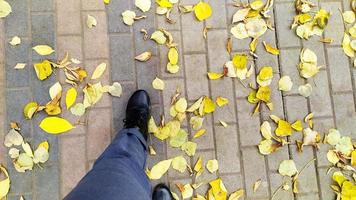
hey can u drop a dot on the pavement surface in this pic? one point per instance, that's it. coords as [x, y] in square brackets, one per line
[62, 25]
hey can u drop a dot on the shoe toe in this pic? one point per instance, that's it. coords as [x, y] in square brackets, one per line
[140, 98]
[161, 192]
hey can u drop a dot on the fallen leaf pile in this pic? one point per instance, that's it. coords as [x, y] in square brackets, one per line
[306, 23]
[25, 159]
[349, 39]
[250, 22]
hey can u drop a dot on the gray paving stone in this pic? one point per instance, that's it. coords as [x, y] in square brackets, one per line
[196, 68]
[223, 88]
[17, 22]
[147, 72]
[227, 149]
[217, 54]
[42, 5]
[119, 105]
[345, 114]
[193, 40]
[232, 182]
[307, 179]
[325, 182]
[15, 102]
[42, 27]
[276, 181]
[218, 18]
[289, 60]
[14, 55]
[254, 169]
[17, 197]
[309, 196]
[249, 126]
[334, 23]
[121, 55]
[339, 70]
[46, 183]
[284, 16]
[320, 102]
[114, 10]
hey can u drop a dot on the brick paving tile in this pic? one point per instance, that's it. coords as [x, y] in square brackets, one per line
[62, 25]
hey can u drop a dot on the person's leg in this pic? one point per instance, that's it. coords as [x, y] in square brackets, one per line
[119, 172]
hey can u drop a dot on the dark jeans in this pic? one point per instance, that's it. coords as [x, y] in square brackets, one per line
[119, 173]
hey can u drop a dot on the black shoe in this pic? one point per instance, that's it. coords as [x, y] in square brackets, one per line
[138, 112]
[162, 192]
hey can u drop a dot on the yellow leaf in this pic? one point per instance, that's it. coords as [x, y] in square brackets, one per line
[44, 145]
[218, 189]
[256, 185]
[179, 163]
[297, 125]
[212, 165]
[209, 105]
[151, 150]
[214, 75]
[30, 109]
[349, 16]
[43, 50]
[224, 124]
[333, 137]
[5, 10]
[91, 21]
[199, 133]
[71, 96]
[264, 94]
[196, 122]
[287, 168]
[239, 31]
[305, 90]
[55, 90]
[267, 147]
[27, 148]
[143, 5]
[265, 74]
[173, 56]
[4, 184]
[128, 17]
[270, 49]
[221, 101]
[13, 137]
[332, 157]
[179, 139]
[55, 125]
[159, 37]
[202, 11]
[253, 44]
[347, 47]
[285, 83]
[158, 84]
[164, 3]
[115, 89]
[106, 2]
[78, 109]
[15, 41]
[181, 105]
[236, 195]
[160, 169]
[339, 178]
[353, 158]
[240, 15]
[345, 146]
[283, 129]
[256, 5]
[266, 130]
[239, 61]
[20, 66]
[187, 191]
[43, 69]
[198, 165]
[172, 68]
[143, 57]
[189, 148]
[99, 71]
